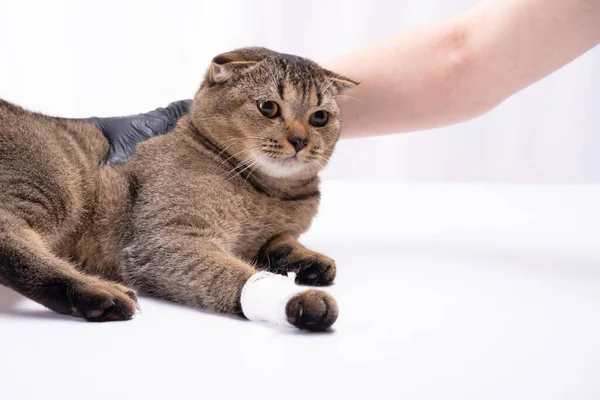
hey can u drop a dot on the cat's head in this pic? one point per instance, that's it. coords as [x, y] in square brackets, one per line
[272, 112]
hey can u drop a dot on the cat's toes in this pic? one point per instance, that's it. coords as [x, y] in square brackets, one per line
[318, 271]
[313, 310]
[104, 302]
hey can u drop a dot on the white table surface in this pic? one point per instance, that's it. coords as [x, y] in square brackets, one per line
[446, 291]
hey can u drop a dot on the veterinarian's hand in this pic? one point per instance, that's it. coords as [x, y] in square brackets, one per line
[124, 132]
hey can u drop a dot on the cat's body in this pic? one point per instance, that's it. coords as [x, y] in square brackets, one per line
[185, 219]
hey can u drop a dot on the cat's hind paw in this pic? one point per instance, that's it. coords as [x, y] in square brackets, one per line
[100, 301]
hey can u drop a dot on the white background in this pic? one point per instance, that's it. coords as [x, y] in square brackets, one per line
[83, 58]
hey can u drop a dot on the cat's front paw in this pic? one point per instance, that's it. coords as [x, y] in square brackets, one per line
[315, 271]
[313, 310]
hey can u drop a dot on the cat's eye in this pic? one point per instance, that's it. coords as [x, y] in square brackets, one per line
[268, 108]
[319, 118]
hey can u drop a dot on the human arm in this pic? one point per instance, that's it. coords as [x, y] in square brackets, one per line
[456, 69]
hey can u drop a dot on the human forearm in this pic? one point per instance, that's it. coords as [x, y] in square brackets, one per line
[520, 42]
[459, 68]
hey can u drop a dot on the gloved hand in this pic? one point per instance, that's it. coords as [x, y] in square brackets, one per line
[123, 133]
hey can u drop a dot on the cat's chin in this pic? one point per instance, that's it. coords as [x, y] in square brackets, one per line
[286, 168]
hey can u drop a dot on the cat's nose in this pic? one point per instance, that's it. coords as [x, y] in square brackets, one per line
[298, 142]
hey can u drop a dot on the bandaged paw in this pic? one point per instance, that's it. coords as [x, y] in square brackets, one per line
[265, 296]
[278, 300]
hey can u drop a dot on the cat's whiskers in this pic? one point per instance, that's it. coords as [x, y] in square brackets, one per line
[322, 86]
[244, 163]
[252, 163]
[235, 140]
[323, 157]
[238, 153]
[236, 166]
[246, 137]
[314, 164]
[273, 153]
[325, 87]
[350, 97]
[240, 164]
[329, 153]
[257, 164]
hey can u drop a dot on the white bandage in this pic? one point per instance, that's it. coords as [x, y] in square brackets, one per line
[265, 296]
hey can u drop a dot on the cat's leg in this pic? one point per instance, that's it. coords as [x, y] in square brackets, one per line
[30, 268]
[282, 254]
[187, 270]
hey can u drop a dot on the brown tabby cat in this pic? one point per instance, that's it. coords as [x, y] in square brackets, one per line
[192, 215]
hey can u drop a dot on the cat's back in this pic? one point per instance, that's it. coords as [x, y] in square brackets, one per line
[20, 132]
[48, 167]
[23, 132]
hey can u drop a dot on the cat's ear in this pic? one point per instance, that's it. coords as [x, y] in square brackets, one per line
[340, 82]
[226, 65]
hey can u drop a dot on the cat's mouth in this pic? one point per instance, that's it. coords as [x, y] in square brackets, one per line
[289, 160]
[282, 167]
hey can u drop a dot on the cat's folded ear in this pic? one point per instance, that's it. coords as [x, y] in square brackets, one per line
[340, 82]
[226, 65]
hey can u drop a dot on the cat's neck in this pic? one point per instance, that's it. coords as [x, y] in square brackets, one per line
[285, 188]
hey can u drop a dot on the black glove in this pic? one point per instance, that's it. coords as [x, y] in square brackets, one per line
[123, 133]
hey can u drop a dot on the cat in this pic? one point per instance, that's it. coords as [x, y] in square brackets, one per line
[192, 214]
